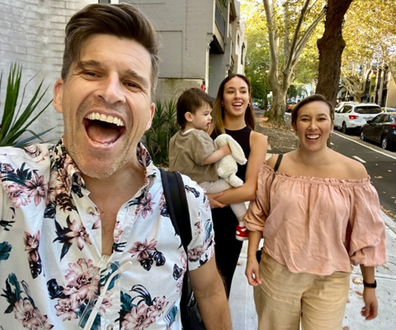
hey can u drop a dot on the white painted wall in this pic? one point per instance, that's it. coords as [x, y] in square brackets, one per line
[32, 33]
[185, 28]
[391, 98]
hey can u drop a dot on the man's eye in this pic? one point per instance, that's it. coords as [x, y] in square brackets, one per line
[131, 84]
[90, 73]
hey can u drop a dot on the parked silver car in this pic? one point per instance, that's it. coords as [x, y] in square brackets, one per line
[352, 116]
[386, 109]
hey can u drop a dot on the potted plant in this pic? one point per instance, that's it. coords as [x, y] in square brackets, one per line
[15, 121]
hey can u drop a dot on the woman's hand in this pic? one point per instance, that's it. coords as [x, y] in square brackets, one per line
[252, 271]
[213, 201]
[370, 309]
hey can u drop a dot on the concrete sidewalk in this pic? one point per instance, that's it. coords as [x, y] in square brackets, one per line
[244, 314]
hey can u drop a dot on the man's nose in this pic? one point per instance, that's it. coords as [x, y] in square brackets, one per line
[112, 90]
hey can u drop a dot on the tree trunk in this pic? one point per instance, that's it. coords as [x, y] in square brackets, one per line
[331, 46]
[277, 115]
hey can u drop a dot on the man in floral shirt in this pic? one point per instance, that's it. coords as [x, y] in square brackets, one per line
[85, 237]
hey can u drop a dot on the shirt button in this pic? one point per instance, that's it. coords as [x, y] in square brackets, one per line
[109, 327]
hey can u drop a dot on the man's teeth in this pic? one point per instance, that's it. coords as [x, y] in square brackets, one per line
[107, 119]
[316, 136]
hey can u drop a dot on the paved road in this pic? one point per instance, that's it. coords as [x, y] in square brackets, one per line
[380, 164]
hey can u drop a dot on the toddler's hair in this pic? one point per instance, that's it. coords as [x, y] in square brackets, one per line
[190, 101]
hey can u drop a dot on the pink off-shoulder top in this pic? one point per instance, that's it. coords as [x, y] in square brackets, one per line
[318, 225]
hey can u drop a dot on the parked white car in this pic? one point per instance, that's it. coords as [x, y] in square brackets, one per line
[352, 116]
[341, 104]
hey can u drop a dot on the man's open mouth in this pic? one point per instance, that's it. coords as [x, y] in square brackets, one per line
[103, 129]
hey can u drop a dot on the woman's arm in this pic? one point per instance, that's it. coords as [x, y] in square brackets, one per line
[247, 192]
[370, 309]
[252, 265]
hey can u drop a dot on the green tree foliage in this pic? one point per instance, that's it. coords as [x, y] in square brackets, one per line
[289, 25]
[16, 120]
[257, 56]
[305, 73]
[163, 127]
[370, 35]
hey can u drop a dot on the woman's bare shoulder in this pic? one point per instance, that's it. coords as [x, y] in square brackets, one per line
[258, 137]
[352, 168]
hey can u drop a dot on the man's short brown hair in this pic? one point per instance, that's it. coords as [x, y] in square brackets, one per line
[119, 20]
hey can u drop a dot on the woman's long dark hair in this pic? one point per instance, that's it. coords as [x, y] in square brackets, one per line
[218, 113]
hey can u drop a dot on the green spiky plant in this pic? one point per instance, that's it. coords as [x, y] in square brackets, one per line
[163, 127]
[15, 121]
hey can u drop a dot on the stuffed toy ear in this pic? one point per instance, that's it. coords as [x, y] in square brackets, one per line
[236, 151]
[220, 141]
[227, 166]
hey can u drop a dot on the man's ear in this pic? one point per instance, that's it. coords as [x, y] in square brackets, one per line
[58, 95]
[152, 112]
[189, 116]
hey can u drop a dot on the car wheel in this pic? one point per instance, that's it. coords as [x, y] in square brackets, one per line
[384, 142]
[344, 128]
[362, 136]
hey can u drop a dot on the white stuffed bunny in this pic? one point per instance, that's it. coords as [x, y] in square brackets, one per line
[227, 166]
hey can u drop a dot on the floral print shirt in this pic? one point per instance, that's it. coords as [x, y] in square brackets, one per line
[52, 272]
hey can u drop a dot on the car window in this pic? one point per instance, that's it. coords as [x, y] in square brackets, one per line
[367, 110]
[346, 109]
[378, 119]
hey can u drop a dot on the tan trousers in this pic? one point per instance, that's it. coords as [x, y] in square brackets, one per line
[285, 298]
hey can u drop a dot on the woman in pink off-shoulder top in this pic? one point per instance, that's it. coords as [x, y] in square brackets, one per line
[318, 214]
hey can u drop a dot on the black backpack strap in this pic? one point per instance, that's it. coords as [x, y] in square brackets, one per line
[176, 201]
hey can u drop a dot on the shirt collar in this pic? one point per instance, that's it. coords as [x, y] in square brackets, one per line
[62, 163]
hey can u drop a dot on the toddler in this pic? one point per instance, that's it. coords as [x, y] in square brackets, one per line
[192, 151]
